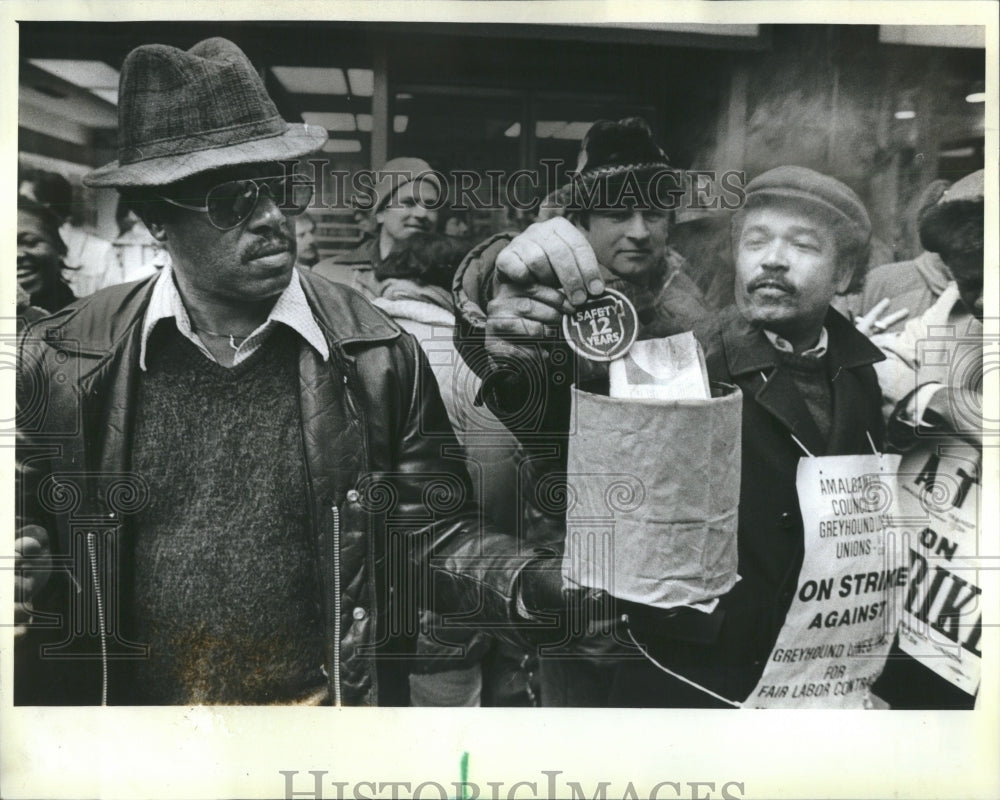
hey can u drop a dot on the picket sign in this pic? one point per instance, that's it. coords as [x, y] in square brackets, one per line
[838, 631]
[937, 529]
[891, 549]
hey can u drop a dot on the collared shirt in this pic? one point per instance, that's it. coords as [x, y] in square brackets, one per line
[818, 350]
[291, 309]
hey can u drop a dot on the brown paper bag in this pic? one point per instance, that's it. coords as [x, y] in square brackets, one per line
[653, 490]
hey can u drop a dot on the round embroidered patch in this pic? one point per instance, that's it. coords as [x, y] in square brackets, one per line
[604, 328]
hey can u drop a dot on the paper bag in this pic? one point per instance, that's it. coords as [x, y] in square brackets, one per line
[653, 490]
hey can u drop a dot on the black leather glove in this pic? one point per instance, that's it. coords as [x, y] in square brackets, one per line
[540, 586]
[542, 593]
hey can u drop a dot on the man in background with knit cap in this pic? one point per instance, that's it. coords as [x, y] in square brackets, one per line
[615, 215]
[227, 430]
[404, 202]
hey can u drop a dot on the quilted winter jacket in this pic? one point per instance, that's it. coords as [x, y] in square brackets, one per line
[385, 486]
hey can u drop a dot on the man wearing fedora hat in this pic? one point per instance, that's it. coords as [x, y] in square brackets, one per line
[808, 386]
[404, 202]
[223, 467]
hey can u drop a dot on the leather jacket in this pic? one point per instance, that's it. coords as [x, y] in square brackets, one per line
[386, 486]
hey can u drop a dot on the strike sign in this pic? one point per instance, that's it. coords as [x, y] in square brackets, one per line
[838, 631]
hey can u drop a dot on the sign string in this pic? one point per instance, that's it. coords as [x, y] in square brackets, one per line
[673, 674]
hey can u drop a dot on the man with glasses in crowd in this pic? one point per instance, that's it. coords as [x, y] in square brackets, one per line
[228, 430]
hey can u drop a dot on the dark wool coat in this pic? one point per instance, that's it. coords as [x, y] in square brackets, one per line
[770, 537]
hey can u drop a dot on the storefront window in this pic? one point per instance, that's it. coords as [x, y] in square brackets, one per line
[458, 131]
[338, 98]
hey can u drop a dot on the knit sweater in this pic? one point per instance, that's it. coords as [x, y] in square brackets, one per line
[226, 592]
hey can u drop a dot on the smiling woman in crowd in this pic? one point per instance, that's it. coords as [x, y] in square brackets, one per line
[39, 256]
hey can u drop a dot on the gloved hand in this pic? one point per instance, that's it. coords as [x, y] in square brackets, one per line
[540, 587]
[32, 564]
[578, 622]
[542, 594]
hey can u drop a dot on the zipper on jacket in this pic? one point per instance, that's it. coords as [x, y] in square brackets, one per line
[336, 605]
[92, 552]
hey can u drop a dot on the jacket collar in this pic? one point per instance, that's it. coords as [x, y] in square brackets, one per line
[291, 310]
[748, 349]
[344, 316]
[109, 322]
[750, 355]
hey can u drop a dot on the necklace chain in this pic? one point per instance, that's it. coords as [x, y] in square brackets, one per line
[221, 335]
[232, 337]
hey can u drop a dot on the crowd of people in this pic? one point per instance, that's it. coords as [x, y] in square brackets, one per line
[88, 262]
[343, 480]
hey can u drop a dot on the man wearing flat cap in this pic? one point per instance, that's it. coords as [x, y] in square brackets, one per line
[225, 469]
[808, 388]
[404, 202]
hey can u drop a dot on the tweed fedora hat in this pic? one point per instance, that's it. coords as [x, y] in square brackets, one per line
[181, 113]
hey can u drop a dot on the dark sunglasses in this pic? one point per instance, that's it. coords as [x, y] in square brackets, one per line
[231, 203]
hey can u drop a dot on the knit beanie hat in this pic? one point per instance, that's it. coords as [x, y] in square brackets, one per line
[398, 172]
[621, 166]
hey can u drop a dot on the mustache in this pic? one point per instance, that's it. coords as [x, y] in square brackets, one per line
[770, 280]
[34, 265]
[269, 247]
